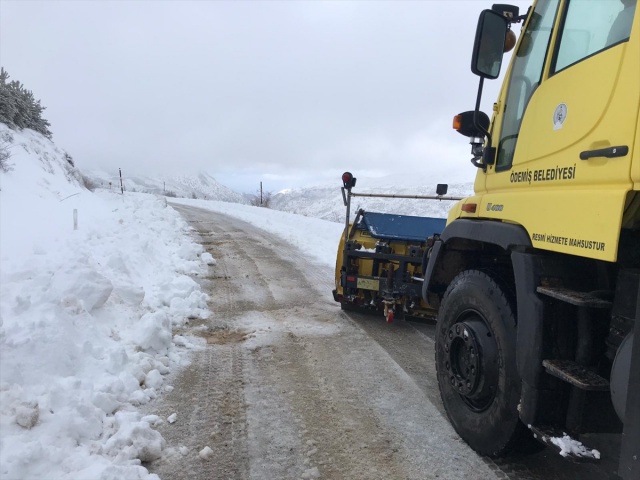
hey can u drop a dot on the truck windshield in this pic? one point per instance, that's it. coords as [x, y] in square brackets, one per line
[525, 77]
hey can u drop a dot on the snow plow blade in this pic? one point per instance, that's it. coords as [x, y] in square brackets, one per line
[380, 268]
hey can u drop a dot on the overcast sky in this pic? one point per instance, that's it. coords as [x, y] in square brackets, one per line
[288, 92]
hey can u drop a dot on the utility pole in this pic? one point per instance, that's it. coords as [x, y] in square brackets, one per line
[260, 193]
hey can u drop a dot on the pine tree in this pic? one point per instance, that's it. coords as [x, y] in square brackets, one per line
[7, 100]
[19, 108]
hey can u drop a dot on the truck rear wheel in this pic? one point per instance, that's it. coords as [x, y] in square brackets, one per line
[476, 363]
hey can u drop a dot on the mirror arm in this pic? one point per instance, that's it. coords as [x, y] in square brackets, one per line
[476, 123]
[477, 156]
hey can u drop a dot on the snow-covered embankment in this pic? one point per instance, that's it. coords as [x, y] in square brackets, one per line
[86, 319]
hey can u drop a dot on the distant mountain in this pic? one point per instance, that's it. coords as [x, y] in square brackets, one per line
[201, 185]
[326, 202]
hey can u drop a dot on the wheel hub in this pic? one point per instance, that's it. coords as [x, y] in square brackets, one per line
[471, 361]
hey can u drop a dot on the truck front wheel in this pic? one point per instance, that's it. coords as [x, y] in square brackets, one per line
[476, 363]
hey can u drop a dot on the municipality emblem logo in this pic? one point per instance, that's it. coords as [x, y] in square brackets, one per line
[559, 116]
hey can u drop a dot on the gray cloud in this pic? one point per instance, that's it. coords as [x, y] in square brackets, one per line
[291, 92]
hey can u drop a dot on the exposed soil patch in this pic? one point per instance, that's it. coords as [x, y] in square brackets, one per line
[221, 337]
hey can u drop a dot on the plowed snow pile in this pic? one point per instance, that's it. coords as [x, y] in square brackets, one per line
[86, 318]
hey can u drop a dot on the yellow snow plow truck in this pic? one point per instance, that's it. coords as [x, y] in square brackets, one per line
[535, 279]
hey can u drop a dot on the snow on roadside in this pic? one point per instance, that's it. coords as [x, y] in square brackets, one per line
[317, 238]
[86, 319]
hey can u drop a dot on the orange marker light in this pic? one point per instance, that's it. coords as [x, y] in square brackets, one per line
[457, 122]
[509, 41]
[469, 207]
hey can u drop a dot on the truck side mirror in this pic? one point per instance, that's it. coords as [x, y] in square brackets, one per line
[489, 44]
[441, 189]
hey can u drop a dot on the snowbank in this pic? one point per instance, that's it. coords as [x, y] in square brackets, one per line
[86, 318]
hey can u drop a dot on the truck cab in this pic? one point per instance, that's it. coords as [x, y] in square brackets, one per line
[536, 277]
[565, 129]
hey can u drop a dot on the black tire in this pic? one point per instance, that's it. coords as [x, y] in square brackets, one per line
[476, 364]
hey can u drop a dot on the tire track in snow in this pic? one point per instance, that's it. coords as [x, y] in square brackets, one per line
[208, 396]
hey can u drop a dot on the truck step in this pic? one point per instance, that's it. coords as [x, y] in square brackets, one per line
[568, 447]
[573, 297]
[577, 375]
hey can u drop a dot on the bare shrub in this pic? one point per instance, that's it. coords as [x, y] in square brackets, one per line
[5, 156]
[265, 201]
[88, 183]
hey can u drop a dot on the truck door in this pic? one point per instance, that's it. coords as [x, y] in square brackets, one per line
[569, 121]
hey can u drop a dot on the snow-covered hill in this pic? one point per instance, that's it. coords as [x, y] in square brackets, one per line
[326, 202]
[201, 185]
[46, 161]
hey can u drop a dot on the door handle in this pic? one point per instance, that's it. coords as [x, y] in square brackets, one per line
[609, 152]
